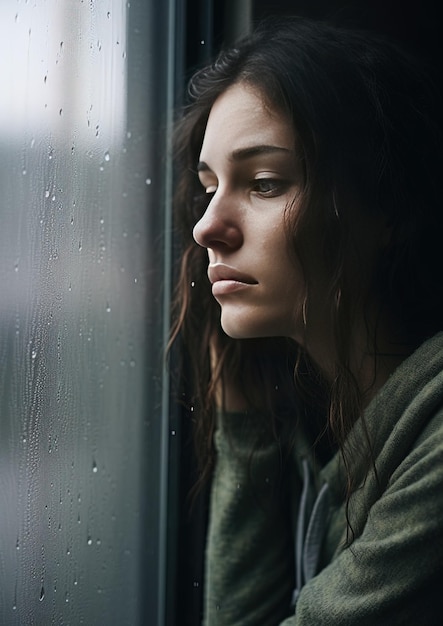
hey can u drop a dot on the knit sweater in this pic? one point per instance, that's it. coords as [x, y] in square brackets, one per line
[391, 573]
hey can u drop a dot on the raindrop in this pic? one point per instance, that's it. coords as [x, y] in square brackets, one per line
[108, 14]
[148, 181]
[173, 433]
[94, 467]
[108, 307]
[24, 172]
[42, 593]
[89, 541]
[107, 156]
[33, 354]
[60, 112]
[47, 194]
[193, 284]
[202, 42]
[132, 363]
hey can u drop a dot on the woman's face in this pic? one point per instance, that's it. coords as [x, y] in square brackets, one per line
[251, 172]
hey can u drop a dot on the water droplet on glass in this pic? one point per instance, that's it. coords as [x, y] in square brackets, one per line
[148, 181]
[89, 541]
[202, 42]
[42, 593]
[107, 156]
[108, 307]
[33, 354]
[24, 172]
[193, 284]
[94, 467]
[173, 433]
[47, 194]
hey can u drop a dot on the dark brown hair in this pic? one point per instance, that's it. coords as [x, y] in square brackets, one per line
[364, 115]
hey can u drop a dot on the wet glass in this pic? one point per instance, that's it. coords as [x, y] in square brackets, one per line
[85, 96]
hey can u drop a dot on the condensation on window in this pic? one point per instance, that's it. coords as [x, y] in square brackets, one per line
[75, 321]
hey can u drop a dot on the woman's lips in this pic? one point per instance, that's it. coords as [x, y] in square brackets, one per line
[226, 279]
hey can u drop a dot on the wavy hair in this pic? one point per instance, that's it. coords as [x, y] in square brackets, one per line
[365, 116]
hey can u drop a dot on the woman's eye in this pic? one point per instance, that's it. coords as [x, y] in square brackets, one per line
[268, 187]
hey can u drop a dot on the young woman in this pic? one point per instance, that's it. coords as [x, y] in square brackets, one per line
[309, 306]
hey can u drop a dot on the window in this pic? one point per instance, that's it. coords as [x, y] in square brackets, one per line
[85, 114]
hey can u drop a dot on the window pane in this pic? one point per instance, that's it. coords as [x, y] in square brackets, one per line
[83, 118]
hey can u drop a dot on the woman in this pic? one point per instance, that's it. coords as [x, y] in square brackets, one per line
[309, 305]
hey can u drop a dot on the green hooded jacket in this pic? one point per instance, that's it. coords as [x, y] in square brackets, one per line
[276, 547]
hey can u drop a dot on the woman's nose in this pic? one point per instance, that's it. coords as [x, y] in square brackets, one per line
[219, 226]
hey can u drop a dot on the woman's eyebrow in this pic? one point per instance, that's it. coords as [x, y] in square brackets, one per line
[242, 154]
[248, 153]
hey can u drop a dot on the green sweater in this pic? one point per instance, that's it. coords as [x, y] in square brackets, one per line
[392, 572]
